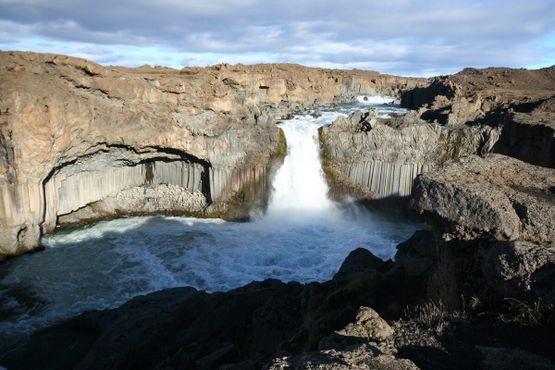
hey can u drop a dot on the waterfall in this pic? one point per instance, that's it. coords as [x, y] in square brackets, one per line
[303, 236]
[299, 186]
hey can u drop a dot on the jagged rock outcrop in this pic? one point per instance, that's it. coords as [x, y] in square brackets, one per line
[519, 101]
[474, 93]
[79, 141]
[243, 328]
[495, 223]
[380, 157]
[366, 343]
[494, 197]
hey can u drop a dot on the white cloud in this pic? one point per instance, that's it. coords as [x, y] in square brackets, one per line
[396, 36]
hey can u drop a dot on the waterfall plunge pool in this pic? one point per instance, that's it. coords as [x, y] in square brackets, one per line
[302, 237]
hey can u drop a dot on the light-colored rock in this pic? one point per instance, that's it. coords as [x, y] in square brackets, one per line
[496, 197]
[474, 93]
[74, 133]
[518, 101]
[494, 220]
[148, 199]
[383, 156]
[368, 326]
[358, 358]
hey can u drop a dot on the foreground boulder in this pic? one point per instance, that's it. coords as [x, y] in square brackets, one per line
[367, 343]
[184, 328]
[495, 197]
[494, 218]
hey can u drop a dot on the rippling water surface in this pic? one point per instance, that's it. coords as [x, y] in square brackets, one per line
[303, 236]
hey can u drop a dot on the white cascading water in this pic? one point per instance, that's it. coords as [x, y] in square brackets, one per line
[299, 186]
[303, 237]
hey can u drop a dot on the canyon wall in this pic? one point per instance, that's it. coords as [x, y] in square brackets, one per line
[368, 156]
[79, 141]
[497, 110]
[520, 101]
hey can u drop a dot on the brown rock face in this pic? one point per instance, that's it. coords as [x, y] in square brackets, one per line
[380, 157]
[473, 93]
[494, 219]
[495, 197]
[518, 101]
[79, 141]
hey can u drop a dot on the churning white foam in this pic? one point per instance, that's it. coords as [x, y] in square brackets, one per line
[303, 237]
[375, 99]
[299, 186]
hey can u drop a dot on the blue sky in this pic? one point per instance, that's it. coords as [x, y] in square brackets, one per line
[419, 38]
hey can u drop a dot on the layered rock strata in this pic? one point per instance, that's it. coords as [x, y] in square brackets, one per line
[474, 93]
[377, 157]
[472, 112]
[520, 101]
[79, 141]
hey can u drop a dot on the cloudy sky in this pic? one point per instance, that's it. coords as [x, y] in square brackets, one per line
[404, 37]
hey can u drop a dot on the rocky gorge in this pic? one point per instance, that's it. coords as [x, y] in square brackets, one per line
[74, 134]
[475, 155]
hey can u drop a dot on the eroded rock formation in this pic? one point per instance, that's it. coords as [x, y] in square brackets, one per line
[380, 157]
[495, 221]
[475, 93]
[472, 112]
[79, 141]
[520, 101]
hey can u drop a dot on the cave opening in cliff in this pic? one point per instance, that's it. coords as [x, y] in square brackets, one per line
[302, 236]
[120, 180]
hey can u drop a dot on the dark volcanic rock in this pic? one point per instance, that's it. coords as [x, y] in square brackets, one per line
[494, 219]
[174, 328]
[371, 157]
[520, 269]
[417, 255]
[358, 261]
[184, 328]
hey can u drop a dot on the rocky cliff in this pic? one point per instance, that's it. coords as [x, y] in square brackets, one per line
[377, 157]
[473, 112]
[79, 141]
[475, 93]
[494, 218]
[520, 101]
